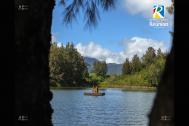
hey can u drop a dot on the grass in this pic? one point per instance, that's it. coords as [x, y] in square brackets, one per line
[130, 88]
[135, 82]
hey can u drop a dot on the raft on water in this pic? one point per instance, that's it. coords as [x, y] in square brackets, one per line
[94, 94]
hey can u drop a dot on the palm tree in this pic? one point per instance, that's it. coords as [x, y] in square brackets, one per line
[33, 36]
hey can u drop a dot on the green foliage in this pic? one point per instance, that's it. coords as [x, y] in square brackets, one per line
[155, 69]
[100, 68]
[149, 56]
[152, 74]
[126, 67]
[135, 64]
[123, 80]
[55, 62]
[67, 66]
[131, 67]
[160, 54]
[94, 78]
[140, 72]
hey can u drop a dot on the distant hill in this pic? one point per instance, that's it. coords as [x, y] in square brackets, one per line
[89, 61]
[113, 68]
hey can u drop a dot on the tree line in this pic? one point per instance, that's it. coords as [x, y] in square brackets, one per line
[68, 68]
[145, 71]
[151, 62]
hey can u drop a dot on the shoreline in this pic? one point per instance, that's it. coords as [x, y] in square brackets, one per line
[124, 88]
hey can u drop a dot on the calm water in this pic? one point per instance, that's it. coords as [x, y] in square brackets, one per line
[116, 108]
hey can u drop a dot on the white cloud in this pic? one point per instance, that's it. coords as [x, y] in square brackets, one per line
[96, 51]
[135, 45]
[144, 7]
[54, 39]
[138, 45]
[59, 44]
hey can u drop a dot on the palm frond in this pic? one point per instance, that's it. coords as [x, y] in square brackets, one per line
[91, 14]
[89, 7]
[107, 4]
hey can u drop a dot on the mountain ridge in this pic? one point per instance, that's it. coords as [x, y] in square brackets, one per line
[113, 68]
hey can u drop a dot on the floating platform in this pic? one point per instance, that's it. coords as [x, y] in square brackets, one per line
[94, 94]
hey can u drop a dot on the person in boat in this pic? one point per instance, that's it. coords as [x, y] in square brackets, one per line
[95, 88]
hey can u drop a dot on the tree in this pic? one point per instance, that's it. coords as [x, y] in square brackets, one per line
[135, 64]
[160, 65]
[100, 68]
[56, 62]
[67, 66]
[32, 38]
[126, 69]
[152, 75]
[164, 100]
[160, 53]
[149, 56]
[155, 67]
[75, 68]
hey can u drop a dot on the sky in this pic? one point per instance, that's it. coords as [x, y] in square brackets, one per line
[120, 33]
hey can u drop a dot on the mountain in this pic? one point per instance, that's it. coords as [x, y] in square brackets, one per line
[89, 62]
[113, 68]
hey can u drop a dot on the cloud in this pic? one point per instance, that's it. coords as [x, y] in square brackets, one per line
[96, 51]
[135, 45]
[138, 45]
[54, 39]
[144, 7]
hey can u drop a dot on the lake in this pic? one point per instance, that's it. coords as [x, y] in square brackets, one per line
[116, 108]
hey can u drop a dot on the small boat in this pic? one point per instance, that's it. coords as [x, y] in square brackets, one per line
[94, 94]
